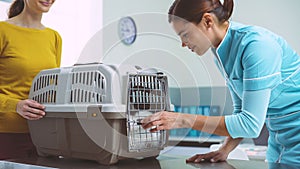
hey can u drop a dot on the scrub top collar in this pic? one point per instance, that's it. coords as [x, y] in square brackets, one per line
[223, 49]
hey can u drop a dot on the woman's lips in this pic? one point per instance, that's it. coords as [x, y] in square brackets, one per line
[47, 4]
[192, 48]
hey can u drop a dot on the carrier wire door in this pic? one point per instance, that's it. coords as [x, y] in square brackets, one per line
[147, 94]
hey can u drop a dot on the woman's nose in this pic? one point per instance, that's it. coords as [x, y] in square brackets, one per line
[183, 44]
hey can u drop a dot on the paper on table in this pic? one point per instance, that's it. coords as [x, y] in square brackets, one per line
[183, 151]
[237, 153]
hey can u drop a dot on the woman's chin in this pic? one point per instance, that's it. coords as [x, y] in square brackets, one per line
[200, 52]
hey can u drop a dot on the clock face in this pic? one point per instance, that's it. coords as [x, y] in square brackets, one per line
[127, 30]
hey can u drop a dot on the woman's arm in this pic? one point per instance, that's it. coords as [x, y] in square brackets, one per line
[245, 124]
[28, 109]
[171, 120]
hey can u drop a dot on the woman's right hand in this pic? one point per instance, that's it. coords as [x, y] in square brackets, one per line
[30, 109]
[214, 156]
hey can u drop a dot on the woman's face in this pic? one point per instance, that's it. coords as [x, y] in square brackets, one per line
[191, 36]
[39, 6]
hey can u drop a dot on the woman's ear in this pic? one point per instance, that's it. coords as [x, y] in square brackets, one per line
[207, 20]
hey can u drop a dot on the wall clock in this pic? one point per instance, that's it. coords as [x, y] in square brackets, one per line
[127, 30]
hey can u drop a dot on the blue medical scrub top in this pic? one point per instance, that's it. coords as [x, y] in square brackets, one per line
[252, 58]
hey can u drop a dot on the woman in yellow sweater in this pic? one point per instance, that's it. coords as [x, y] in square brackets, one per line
[26, 47]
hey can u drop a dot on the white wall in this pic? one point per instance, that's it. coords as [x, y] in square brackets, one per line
[4, 6]
[279, 16]
[76, 22]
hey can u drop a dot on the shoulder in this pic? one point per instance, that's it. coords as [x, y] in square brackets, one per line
[254, 37]
[3, 26]
[5, 29]
[54, 33]
[249, 33]
[255, 43]
[3, 23]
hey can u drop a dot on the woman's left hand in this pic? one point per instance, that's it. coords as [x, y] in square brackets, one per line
[214, 156]
[30, 109]
[167, 120]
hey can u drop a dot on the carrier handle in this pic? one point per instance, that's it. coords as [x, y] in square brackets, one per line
[91, 63]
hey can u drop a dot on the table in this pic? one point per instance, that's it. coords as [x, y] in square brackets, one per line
[164, 161]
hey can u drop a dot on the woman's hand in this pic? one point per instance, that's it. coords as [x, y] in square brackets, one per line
[214, 156]
[168, 120]
[30, 109]
[219, 155]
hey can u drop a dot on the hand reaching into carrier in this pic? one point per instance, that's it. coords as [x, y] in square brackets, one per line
[167, 120]
[30, 109]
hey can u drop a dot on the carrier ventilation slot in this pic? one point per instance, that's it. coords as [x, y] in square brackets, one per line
[45, 88]
[88, 87]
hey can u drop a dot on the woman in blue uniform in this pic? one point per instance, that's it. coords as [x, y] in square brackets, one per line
[262, 73]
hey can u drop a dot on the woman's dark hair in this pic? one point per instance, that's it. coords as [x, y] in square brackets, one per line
[16, 8]
[193, 10]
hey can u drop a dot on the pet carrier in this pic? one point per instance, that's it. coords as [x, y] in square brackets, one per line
[93, 112]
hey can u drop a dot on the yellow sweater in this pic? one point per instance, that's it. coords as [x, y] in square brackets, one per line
[23, 53]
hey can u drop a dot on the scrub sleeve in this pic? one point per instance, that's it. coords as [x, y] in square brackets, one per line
[261, 73]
